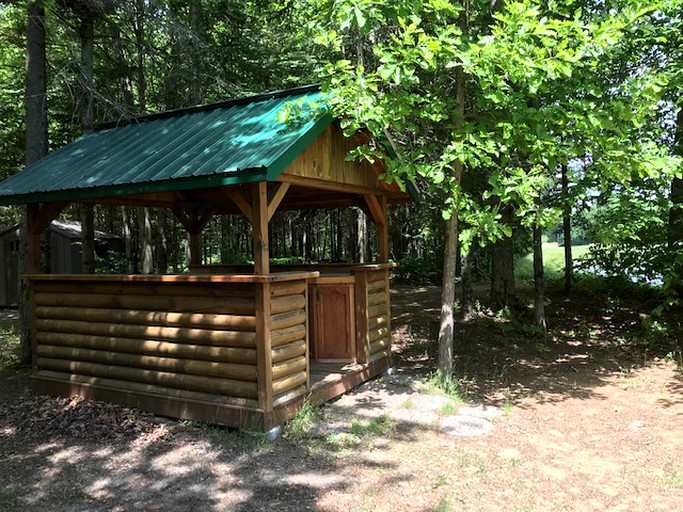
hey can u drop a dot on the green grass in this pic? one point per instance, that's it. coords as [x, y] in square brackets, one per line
[553, 263]
[9, 345]
[298, 427]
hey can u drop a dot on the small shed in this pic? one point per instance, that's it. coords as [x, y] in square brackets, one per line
[65, 254]
[237, 346]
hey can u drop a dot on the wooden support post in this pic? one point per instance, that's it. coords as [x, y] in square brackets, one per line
[38, 218]
[259, 215]
[383, 233]
[194, 223]
[264, 357]
[362, 318]
[378, 210]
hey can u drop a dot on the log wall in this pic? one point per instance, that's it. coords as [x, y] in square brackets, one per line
[373, 313]
[175, 339]
[289, 339]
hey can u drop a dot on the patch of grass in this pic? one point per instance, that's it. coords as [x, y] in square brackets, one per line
[343, 440]
[673, 477]
[451, 387]
[444, 505]
[216, 434]
[517, 327]
[9, 346]
[553, 263]
[441, 481]
[507, 408]
[409, 404]
[469, 459]
[307, 416]
[676, 357]
[9, 497]
[448, 409]
[383, 425]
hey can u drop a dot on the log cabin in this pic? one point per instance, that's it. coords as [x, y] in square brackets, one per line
[235, 346]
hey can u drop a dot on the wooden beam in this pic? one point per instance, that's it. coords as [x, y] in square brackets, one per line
[383, 232]
[259, 214]
[182, 218]
[241, 202]
[194, 223]
[374, 203]
[277, 197]
[41, 215]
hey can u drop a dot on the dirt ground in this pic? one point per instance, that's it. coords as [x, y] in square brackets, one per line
[587, 417]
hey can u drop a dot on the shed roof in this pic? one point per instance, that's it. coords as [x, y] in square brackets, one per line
[235, 142]
[67, 228]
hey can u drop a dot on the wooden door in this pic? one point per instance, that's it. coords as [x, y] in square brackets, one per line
[334, 326]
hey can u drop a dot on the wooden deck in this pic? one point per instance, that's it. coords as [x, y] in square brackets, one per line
[329, 380]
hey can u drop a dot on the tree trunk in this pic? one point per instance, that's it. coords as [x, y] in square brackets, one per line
[139, 31]
[145, 228]
[127, 242]
[36, 148]
[567, 229]
[539, 285]
[467, 303]
[675, 239]
[362, 236]
[87, 29]
[447, 324]
[447, 328]
[162, 246]
[503, 265]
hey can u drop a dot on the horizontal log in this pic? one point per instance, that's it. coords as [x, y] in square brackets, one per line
[160, 318]
[377, 286]
[378, 275]
[379, 333]
[379, 345]
[378, 310]
[171, 364]
[237, 388]
[377, 321]
[288, 319]
[287, 303]
[127, 387]
[174, 334]
[241, 306]
[150, 347]
[386, 353]
[221, 290]
[377, 298]
[290, 288]
[283, 385]
[288, 335]
[289, 396]
[289, 367]
[289, 350]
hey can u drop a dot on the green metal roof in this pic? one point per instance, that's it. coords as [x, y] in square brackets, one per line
[236, 142]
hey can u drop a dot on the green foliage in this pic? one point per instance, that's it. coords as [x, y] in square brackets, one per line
[9, 345]
[382, 425]
[300, 425]
[420, 270]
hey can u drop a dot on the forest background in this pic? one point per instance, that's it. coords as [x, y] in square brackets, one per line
[520, 121]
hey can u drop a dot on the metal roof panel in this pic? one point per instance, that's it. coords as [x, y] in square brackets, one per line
[207, 145]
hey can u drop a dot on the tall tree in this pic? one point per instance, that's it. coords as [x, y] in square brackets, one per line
[36, 142]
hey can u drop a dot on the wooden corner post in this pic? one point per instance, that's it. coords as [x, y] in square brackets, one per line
[264, 357]
[259, 215]
[38, 218]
